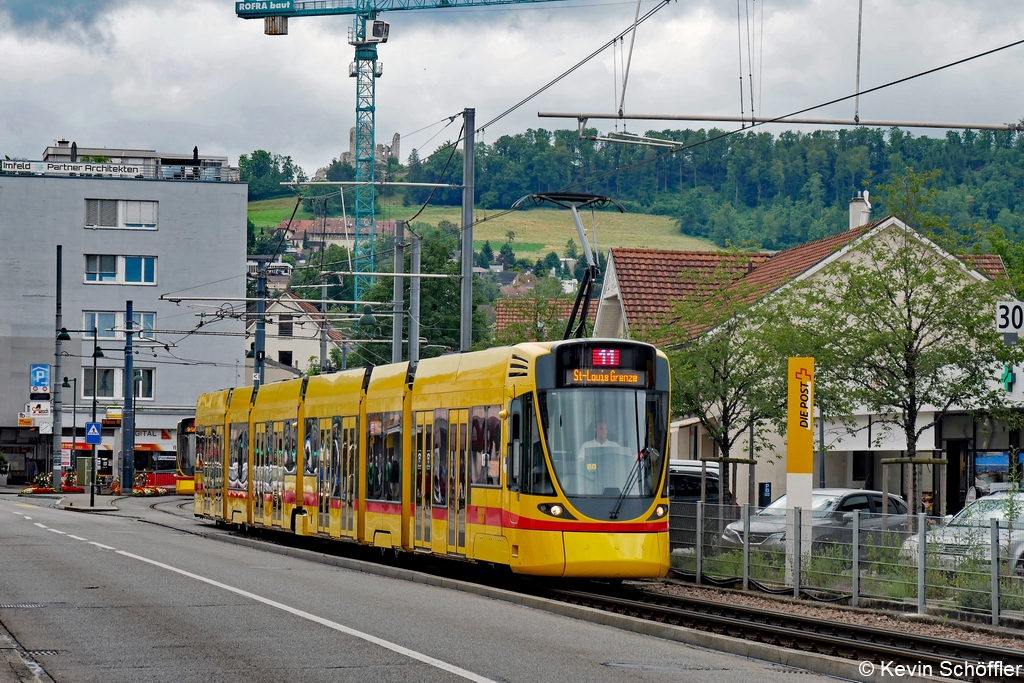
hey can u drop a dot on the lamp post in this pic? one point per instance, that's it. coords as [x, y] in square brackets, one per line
[67, 384]
[97, 352]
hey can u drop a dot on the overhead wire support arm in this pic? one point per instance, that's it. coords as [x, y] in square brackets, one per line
[1015, 127]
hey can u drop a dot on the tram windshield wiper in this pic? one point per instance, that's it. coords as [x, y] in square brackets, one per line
[643, 461]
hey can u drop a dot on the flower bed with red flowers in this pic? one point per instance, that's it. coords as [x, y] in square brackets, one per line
[39, 489]
[149, 491]
[71, 488]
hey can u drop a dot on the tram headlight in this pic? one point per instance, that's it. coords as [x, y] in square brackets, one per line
[555, 510]
[660, 511]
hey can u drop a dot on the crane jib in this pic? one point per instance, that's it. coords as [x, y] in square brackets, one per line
[259, 9]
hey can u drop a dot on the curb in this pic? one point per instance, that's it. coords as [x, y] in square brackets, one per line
[23, 669]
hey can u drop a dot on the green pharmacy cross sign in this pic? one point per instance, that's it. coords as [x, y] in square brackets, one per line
[1008, 378]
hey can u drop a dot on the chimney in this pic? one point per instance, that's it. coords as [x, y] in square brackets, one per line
[860, 210]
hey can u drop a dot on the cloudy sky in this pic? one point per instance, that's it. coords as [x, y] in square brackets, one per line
[171, 74]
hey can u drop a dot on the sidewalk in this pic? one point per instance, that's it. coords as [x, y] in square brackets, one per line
[77, 502]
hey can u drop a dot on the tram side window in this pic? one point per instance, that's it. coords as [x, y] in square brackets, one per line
[440, 471]
[529, 471]
[515, 436]
[485, 433]
[311, 447]
[384, 457]
[238, 455]
[336, 455]
[291, 441]
[393, 457]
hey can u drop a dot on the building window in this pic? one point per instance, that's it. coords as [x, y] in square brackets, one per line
[105, 323]
[144, 325]
[110, 324]
[132, 270]
[144, 386]
[284, 325]
[104, 383]
[284, 358]
[140, 269]
[100, 268]
[130, 214]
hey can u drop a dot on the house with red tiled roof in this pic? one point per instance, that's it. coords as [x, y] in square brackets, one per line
[293, 330]
[531, 319]
[640, 286]
[312, 234]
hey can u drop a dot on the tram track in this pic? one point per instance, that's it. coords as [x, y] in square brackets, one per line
[881, 647]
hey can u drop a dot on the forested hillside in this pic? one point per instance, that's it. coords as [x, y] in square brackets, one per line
[749, 189]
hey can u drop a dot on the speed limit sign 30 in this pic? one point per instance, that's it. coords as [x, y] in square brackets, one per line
[1009, 316]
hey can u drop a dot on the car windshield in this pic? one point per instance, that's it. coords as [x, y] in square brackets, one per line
[821, 506]
[980, 511]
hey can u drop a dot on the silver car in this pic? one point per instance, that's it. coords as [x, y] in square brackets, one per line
[967, 535]
[831, 520]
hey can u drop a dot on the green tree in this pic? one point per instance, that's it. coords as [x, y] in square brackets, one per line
[265, 172]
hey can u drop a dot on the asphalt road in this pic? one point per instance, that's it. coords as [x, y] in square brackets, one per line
[116, 597]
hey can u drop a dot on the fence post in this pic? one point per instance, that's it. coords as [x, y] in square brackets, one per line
[699, 548]
[746, 546]
[797, 533]
[994, 557]
[855, 598]
[922, 549]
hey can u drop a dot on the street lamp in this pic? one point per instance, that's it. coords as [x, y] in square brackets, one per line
[67, 384]
[97, 352]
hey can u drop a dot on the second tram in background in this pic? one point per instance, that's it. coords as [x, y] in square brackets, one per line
[548, 458]
[184, 480]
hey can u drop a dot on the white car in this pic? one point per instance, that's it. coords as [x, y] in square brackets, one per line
[967, 534]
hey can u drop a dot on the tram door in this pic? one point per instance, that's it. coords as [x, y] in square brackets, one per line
[263, 446]
[458, 488]
[322, 462]
[423, 450]
[346, 437]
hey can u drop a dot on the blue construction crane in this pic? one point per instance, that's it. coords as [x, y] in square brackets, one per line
[366, 33]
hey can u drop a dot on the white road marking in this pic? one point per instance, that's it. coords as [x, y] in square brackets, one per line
[58, 531]
[41, 526]
[27, 517]
[77, 538]
[394, 647]
[100, 545]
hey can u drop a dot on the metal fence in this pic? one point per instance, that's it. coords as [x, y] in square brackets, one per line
[967, 567]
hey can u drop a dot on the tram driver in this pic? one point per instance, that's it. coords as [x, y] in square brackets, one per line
[600, 440]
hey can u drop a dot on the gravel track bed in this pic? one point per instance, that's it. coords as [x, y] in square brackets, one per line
[907, 623]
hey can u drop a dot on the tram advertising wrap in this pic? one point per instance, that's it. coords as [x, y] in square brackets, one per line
[548, 458]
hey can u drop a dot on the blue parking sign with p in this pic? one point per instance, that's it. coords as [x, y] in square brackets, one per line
[93, 434]
[39, 378]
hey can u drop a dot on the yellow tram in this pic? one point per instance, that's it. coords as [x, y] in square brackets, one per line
[548, 458]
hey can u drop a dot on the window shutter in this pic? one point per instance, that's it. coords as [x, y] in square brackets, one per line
[108, 213]
[92, 211]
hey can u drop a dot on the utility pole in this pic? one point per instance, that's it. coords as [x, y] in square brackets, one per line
[414, 301]
[259, 348]
[58, 417]
[398, 292]
[466, 317]
[323, 322]
[128, 418]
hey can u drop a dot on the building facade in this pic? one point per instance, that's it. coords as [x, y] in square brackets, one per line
[124, 235]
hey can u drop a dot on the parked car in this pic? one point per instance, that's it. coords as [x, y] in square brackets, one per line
[684, 481]
[831, 520]
[967, 534]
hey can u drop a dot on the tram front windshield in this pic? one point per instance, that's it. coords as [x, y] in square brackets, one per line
[606, 442]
